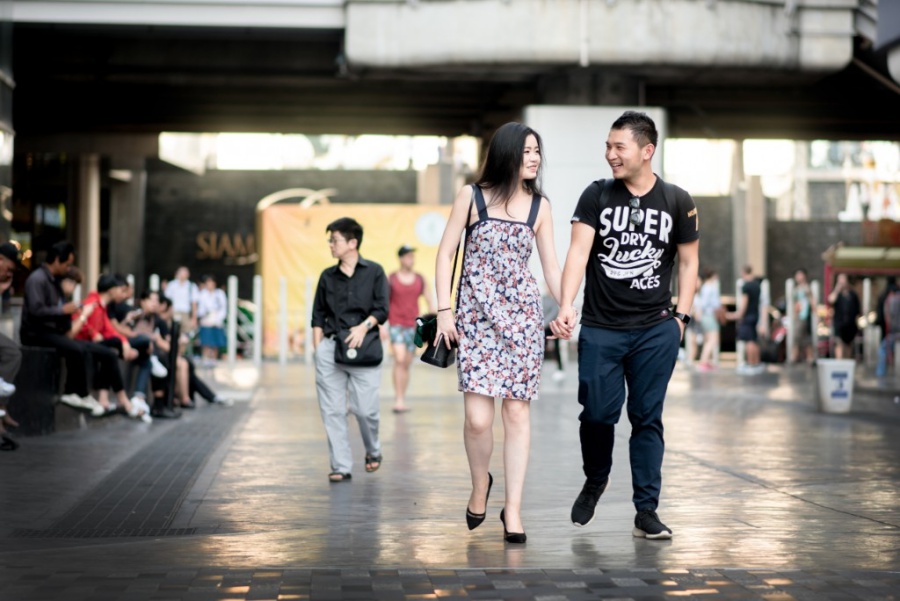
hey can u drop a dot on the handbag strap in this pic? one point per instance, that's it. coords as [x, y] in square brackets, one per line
[464, 243]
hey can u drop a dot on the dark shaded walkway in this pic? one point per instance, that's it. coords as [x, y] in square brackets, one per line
[768, 498]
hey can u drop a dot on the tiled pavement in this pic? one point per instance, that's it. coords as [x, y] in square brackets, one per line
[769, 499]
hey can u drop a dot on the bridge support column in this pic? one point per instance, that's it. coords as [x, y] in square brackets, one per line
[748, 227]
[88, 219]
[127, 192]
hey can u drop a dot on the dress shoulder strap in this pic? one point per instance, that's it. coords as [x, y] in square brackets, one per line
[480, 203]
[535, 208]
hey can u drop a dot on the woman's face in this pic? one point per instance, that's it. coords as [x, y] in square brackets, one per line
[531, 158]
[68, 286]
[150, 304]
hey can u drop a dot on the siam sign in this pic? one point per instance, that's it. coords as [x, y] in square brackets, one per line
[231, 249]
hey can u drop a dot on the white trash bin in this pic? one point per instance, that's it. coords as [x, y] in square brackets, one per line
[835, 379]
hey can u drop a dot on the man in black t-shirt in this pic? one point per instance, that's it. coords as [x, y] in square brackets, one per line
[747, 317]
[626, 234]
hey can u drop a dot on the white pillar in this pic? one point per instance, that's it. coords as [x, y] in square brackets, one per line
[88, 247]
[232, 318]
[791, 316]
[282, 321]
[257, 320]
[871, 332]
[740, 350]
[765, 299]
[154, 282]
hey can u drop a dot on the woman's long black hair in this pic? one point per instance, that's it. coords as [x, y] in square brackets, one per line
[503, 162]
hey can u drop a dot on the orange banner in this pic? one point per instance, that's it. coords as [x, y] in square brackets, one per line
[293, 246]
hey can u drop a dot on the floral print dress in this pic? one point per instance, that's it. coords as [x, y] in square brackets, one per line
[499, 313]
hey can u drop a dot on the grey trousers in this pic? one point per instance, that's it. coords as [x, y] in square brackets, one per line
[10, 358]
[339, 387]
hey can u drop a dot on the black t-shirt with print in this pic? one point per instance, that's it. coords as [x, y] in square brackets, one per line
[629, 271]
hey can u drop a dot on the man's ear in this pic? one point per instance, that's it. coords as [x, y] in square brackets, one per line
[647, 151]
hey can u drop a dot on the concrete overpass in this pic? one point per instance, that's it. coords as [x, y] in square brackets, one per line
[729, 68]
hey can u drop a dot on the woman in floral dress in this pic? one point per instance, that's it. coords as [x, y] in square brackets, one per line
[499, 318]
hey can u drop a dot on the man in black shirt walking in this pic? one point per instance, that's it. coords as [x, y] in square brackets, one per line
[626, 234]
[351, 301]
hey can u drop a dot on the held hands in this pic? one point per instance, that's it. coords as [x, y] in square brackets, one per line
[564, 324]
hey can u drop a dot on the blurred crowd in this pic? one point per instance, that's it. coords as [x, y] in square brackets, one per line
[118, 348]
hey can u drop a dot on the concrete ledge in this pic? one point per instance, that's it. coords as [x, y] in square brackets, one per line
[655, 32]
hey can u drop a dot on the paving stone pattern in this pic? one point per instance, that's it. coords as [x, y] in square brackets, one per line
[769, 499]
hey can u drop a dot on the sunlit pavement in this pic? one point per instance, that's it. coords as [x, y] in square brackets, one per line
[768, 498]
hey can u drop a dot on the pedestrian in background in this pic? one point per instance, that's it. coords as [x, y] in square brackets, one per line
[804, 308]
[406, 288]
[499, 320]
[351, 299]
[10, 354]
[709, 305]
[183, 293]
[212, 309]
[888, 319]
[747, 317]
[626, 234]
[846, 310]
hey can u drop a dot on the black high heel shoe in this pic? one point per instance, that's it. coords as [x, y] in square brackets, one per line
[511, 537]
[474, 519]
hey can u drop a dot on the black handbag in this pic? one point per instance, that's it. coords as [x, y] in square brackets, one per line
[437, 353]
[369, 354]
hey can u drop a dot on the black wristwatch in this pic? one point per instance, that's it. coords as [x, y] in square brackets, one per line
[684, 317]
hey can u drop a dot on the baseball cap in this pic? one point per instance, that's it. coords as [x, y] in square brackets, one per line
[10, 251]
[406, 248]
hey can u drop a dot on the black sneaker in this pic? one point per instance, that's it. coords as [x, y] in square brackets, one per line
[583, 509]
[647, 525]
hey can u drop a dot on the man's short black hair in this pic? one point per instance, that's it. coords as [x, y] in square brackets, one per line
[642, 127]
[61, 250]
[347, 227]
[107, 281]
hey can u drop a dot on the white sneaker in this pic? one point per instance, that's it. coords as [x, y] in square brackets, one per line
[6, 388]
[73, 400]
[558, 376]
[139, 408]
[157, 368]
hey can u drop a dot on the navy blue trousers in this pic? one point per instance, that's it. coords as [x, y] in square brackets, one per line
[608, 360]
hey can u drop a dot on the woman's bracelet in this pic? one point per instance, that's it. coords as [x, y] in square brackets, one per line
[445, 309]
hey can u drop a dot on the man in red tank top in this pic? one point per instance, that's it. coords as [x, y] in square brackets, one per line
[406, 286]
